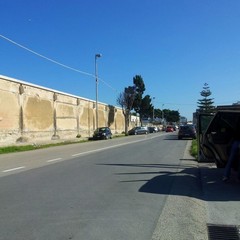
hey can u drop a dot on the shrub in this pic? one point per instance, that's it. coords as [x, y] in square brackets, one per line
[194, 150]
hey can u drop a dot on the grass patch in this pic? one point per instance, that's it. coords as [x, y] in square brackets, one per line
[119, 135]
[12, 149]
[194, 149]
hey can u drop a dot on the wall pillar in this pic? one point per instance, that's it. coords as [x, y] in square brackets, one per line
[22, 138]
[55, 136]
[77, 118]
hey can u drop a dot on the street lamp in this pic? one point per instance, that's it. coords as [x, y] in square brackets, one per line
[162, 113]
[153, 110]
[96, 75]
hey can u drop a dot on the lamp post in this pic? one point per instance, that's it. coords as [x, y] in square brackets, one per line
[98, 55]
[162, 113]
[153, 110]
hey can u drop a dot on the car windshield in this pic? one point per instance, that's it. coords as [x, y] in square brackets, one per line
[100, 130]
[186, 127]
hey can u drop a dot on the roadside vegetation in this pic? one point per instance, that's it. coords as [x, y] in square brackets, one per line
[15, 148]
[12, 149]
[193, 150]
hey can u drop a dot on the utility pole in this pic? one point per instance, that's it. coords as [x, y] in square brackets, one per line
[96, 76]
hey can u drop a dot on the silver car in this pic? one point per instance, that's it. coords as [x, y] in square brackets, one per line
[138, 130]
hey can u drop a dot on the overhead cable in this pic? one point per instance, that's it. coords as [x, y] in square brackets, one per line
[42, 56]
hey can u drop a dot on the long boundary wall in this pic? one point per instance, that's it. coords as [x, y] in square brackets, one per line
[31, 113]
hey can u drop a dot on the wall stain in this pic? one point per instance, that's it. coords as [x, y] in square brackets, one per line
[65, 111]
[38, 114]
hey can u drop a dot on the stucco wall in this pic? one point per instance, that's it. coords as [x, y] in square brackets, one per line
[30, 113]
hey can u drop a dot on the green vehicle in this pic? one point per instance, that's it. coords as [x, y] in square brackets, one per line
[215, 134]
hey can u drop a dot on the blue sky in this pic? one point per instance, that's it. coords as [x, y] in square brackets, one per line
[175, 45]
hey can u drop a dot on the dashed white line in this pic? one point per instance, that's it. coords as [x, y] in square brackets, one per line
[104, 148]
[13, 169]
[54, 160]
[82, 153]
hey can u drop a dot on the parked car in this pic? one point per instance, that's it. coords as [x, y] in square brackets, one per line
[138, 130]
[152, 129]
[169, 129]
[215, 135]
[102, 133]
[187, 131]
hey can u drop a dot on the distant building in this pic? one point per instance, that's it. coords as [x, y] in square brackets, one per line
[134, 119]
[183, 120]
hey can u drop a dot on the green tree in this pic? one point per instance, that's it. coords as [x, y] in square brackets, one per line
[139, 89]
[126, 100]
[142, 105]
[146, 107]
[171, 116]
[205, 105]
[157, 112]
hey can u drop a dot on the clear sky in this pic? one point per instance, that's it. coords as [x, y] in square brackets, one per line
[175, 45]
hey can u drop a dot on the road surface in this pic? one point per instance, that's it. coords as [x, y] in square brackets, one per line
[102, 190]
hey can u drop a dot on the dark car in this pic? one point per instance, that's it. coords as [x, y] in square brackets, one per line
[215, 135]
[152, 129]
[138, 130]
[102, 133]
[187, 131]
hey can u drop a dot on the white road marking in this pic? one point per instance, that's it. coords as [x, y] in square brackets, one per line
[101, 149]
[13, 169]
[54, 160]
[82, 153]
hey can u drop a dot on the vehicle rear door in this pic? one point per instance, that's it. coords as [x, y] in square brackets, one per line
[203, 120]
[215, 136]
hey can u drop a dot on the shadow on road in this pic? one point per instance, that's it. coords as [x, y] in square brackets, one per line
[188, 179]
[171, 137]
[203, 183]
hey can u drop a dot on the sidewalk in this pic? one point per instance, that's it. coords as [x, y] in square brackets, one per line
[198, 200]
[223, 199]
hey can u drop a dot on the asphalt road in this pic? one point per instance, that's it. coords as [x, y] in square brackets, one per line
[103, 190]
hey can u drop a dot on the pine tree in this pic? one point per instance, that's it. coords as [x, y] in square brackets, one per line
[205, 104]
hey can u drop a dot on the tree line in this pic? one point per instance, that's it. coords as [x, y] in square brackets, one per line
[134, 102]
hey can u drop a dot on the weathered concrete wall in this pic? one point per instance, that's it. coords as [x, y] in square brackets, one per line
[31, 113]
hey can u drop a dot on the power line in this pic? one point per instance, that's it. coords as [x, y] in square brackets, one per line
[42, 56]
[108, 85]
[54, 61]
